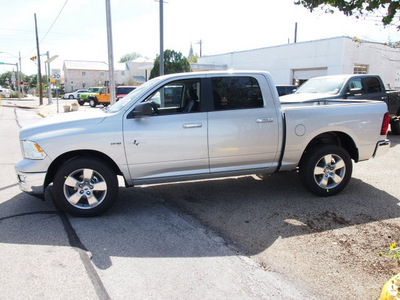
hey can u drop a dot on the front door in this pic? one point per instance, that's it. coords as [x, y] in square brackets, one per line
[173, 141]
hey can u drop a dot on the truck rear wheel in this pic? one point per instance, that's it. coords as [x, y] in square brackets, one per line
[85, 187]
[395, 125]
[325, 170]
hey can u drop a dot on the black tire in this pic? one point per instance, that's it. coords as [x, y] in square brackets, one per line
[325, 170]
[85, 187]
[92, 102]
[81, 102]
[71, 96]
[395, 125]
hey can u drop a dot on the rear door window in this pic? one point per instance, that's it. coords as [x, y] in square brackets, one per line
[372, 85]
[238, 92]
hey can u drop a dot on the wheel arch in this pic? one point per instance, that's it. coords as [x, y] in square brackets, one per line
[62, 159]
[334, 138]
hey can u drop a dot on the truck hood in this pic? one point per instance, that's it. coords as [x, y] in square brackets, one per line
[63, 122]
[305, 97]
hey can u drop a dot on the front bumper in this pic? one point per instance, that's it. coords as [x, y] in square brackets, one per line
[31, 175]
[381, 148]
[32, 183]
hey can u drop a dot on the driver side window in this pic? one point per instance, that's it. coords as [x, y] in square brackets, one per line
[181, 96]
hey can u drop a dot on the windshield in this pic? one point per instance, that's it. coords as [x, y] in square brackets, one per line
[124, 90]
[322, 85]
[132, 96]
[94, 90]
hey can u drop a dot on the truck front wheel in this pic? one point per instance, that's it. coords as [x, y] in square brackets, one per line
[85, 187]
[93, 102]
[325, 170]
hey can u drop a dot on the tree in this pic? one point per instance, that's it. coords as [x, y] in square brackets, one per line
[174, 62]
[356, 7]
[129, 56]
[193, 58]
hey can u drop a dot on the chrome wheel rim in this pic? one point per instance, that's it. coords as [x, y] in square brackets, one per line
[329, 171]
[85, 188]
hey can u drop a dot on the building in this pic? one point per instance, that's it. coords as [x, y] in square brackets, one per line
[295, 63]
[84, 74]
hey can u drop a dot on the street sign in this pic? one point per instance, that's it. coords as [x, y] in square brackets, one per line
[56, 74]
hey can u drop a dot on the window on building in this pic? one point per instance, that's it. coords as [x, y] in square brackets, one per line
[102, 74]
[123, 73]
[236, 93]
[360, 69]
[83, 73]
[84, 85]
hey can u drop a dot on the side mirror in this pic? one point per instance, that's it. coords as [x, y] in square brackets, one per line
[142, 109]
[354, 91]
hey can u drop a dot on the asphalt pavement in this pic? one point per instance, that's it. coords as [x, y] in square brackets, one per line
[140, 249]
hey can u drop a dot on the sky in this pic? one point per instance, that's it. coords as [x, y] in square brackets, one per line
[77, 30]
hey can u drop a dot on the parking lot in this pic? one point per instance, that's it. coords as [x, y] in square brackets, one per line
[233, 237]
[329, 245]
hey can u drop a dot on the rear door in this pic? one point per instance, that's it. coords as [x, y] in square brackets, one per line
[242, 124]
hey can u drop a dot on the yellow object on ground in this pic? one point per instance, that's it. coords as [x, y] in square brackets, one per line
[391, 290]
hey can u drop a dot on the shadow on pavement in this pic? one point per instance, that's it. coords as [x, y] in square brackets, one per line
[250, 214]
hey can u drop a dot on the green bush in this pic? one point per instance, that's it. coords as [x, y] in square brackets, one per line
[14, 95]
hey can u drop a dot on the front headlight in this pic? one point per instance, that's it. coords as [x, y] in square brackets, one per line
[31, 150]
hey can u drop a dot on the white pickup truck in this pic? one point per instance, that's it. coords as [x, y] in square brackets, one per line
[194, 126]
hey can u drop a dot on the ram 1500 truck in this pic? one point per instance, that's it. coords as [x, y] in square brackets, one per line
[350, 87]
[194, 126]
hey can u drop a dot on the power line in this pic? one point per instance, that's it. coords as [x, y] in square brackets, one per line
[54, 21]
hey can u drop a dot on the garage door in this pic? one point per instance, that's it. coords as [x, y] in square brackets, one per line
[301, 75]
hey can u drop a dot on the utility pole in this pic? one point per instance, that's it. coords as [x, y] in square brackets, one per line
[39, 70]
[295, 33]
[110, 53]
[201, 44]
[20, 70]
[48, 79]
[161, 38]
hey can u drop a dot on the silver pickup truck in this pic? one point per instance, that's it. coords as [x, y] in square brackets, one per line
[194, 126]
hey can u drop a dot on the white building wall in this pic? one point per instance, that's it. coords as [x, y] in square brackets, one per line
[281, 61]
[309, 59]
[381, 59]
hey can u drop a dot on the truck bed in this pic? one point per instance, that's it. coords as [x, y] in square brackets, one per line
[362, 124]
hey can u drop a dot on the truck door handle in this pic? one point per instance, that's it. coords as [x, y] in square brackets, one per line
[265, 120]
[192, 125]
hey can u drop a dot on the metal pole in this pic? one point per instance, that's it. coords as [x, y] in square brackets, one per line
[49, 96]
[39, 70]
[110, 54]
[20, 70]
[161, 38]
[19, 95]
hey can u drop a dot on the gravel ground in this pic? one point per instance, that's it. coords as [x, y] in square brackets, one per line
[329, 245]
